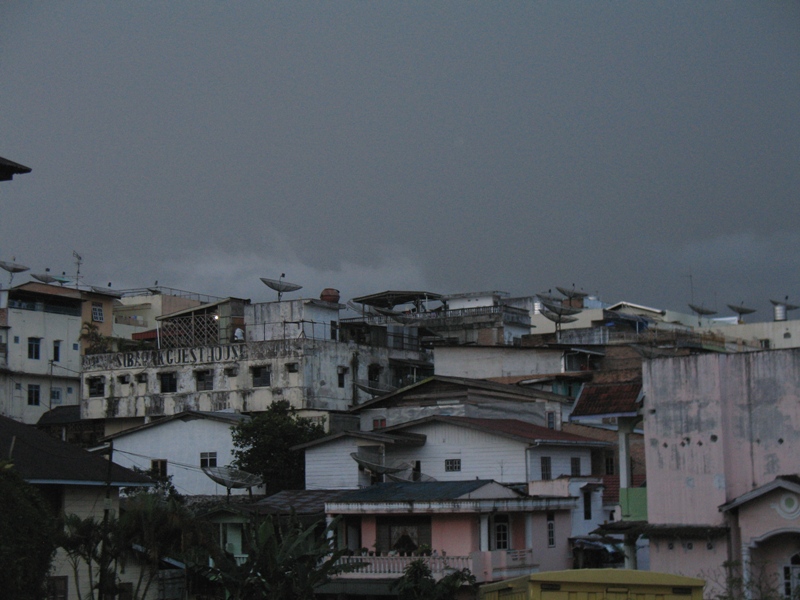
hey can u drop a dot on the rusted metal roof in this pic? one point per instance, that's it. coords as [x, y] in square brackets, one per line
[608, 399]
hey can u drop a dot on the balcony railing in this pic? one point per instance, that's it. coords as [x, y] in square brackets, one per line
[382, 567]
[486, 566]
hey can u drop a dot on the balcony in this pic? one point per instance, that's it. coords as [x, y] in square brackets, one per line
[486, 566]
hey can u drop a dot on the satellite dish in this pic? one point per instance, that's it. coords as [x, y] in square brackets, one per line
[12, 268]
[280, 286]
[375, 390]
[44, 277]
[371, 464]
[572, 293]
[702, 311]
[558, 319]
[409, 476]
[559, 309]
[233, 478]
[784, 304]
[741, 310]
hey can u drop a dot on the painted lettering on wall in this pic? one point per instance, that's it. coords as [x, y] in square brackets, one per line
[169, 356]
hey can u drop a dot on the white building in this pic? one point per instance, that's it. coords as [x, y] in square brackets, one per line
[40, 349]
[180, 446]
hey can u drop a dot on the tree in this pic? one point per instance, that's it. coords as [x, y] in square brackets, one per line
[27, 534]
[263, 446]
[82, 540]
[417, 583]
[286, 560]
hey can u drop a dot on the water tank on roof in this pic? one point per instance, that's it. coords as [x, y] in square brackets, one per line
[330, 295]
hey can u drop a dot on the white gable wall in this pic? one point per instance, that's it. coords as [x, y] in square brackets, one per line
[483, 455]
[180, 442]
[330, 466]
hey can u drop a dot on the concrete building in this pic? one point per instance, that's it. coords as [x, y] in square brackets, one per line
[40, 349]
[234, 355]
[722, 443]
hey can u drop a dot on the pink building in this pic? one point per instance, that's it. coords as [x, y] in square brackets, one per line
[722, 443]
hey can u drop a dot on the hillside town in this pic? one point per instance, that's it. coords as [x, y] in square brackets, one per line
[506, 436]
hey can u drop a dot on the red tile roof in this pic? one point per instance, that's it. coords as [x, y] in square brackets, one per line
[607, 399]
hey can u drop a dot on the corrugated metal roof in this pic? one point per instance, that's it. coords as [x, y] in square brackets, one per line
[40, 458]
[415, 492]
[598, 399]
[519, 430]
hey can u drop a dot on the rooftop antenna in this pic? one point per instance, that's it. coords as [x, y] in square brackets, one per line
[280, 286]
[78, 263]
[44, 277]
[12, 267]
[233, 478]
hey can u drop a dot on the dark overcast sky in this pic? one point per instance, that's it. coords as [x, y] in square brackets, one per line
[447, 146]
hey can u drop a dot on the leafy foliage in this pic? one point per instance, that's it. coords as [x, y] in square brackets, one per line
[417, 583]
[263, 446]
[286, 560]
[27, 533]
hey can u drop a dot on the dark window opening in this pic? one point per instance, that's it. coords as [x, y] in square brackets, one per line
[34, 346]
[204, 380]
[97, 387]
[158, 467]
[34, 394]
[56, 350]
[261, 376]
[547, 469]
[208, 459]
[575, 466]
[452, 464]
[168, 382]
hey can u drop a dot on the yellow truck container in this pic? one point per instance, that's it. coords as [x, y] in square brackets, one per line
[595, 584]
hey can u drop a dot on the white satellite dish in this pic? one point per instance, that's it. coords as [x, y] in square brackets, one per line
[280, 286]
[12, 267]
[231, 477]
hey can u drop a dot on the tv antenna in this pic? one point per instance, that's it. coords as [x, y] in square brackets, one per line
[280, 286]
[78, 263]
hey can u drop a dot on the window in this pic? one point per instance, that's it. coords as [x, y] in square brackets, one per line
[551, 420]
[341, 380]
[261, 376]
[57, 588]
[97, 312]
[610, 464]
[16, 339]
[378, 423]
[158, 467]
[501, 541]
[17, 386]
[34, 394]
[587, 506]
[208, 459]
[141, 378]
[341, 372]
[547, 469]
[168, 382]
[452, 464]
[204, 380]
[765, 344]
[69, 390]
[55, 395]
[56, 350]
[34, 346]
[551, 530]
[334, 330]
[76, 346]
[292, 367]
[96, 387]
[125, 591]
[575, 466]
